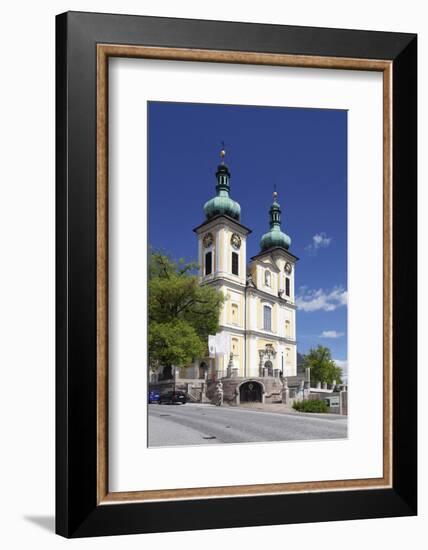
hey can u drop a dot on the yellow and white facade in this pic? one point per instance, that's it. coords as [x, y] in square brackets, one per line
[259, 314]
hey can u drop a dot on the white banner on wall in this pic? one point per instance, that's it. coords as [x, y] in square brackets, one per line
[211, 346]
[222, 342]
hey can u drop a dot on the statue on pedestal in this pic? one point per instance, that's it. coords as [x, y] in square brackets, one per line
[218, 396]
[285, 393]
[230, 365]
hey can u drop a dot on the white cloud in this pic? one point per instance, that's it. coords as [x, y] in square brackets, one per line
[319, 240]
[315, 300]
[331, 334]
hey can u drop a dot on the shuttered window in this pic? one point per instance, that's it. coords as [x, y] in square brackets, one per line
[235, 263]
[287, 286]
[208, 263]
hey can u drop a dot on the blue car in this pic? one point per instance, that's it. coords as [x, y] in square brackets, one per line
[154, 397]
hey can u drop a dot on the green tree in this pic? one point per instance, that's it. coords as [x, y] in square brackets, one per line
[181, 312]
[323, 368]
[174, 343]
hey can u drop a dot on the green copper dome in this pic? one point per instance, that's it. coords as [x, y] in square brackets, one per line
[222, 204]
[275, 237]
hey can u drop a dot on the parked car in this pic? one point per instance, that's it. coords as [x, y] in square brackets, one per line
[173, 398]
[154, 397]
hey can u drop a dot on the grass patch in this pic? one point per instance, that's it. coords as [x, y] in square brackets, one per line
[311, 406]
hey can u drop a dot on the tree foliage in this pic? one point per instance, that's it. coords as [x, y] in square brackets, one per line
[323, 368]
[181, 312]
[174, 343]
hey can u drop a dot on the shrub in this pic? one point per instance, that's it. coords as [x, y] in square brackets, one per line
[311, 406]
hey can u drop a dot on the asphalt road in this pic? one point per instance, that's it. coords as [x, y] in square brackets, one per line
[193, 424]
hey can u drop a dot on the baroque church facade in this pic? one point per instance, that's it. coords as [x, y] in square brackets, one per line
[258, 317]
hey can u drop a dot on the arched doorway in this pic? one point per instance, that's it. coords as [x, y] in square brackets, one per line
[166, 373]
[250, 392]
[203, 369]
[269, 367]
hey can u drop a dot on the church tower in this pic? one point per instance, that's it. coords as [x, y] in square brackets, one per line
[223, 263]
[270, 297]
[222, 237]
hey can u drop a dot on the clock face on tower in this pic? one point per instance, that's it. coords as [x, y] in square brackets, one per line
[235, 241]
[208, 240]
[288, 267]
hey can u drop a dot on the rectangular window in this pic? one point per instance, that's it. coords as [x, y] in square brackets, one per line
[235, 263]
[208, 263]
[267, 318]
[287, 286]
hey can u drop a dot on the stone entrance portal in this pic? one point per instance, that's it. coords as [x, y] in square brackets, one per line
[250, 392]
[266, 355]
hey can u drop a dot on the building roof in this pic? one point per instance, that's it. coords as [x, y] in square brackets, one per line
[222, 203]
[226, 218]
[274, 249]
[275, 237]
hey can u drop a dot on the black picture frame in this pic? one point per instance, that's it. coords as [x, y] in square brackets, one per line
[77, 511]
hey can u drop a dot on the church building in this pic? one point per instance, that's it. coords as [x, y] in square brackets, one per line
[258, 318]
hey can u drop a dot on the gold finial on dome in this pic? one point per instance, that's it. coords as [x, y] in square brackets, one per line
[222, 152]
[275, 193]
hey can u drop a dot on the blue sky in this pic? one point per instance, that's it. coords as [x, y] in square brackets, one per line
[301, 151]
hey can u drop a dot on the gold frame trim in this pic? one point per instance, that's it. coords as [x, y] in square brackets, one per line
[104, 51]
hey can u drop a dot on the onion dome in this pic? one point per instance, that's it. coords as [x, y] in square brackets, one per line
[275, 237]
[222, 204]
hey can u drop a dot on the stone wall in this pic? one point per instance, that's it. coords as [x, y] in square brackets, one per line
[194, 389]
[271, 388]
[337, 401]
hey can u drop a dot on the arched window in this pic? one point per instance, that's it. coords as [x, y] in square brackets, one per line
[269, 367]
[287, 328]
[267, 277]
[267, 318]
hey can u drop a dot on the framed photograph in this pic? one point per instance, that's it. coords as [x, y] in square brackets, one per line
[236, 274]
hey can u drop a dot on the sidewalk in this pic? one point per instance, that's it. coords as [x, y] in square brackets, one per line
[285, 409]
